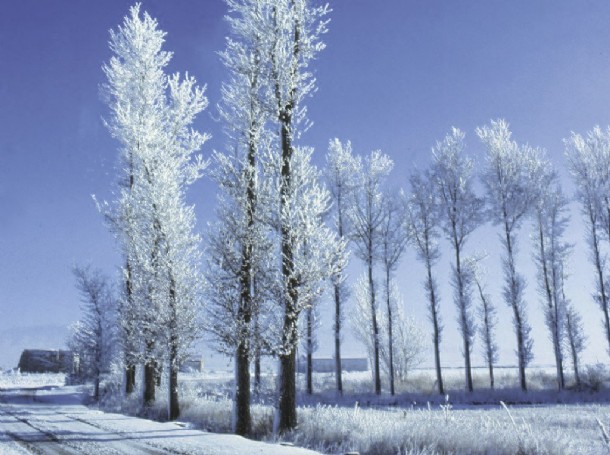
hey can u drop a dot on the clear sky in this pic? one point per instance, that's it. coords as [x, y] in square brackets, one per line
[396, 75]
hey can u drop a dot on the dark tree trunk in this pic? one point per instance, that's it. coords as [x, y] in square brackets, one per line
[390, 331]
[257, 372]
[491, 374]
[287, 403]
[96, 392]
[337, 328]
[130, 367]
[309, 351]
[150, 374]
[436, 336]
[521, 351]
[130, 379]
[242, 423]
[551, 306]
[174, 403]
[287, 418]
[599, 267]
[375, 325]
[462, 308]
[287, 412]
[518, 317]
[174, 343]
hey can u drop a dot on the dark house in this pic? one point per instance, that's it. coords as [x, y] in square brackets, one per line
[46, 361]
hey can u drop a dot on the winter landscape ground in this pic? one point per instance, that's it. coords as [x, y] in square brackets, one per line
[38, 414]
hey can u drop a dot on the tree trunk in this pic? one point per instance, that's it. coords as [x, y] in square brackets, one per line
[174, 344]
[287, 418]
[150, 373]
[551, 304]
[491, 374]
[242, 420]
[174, 403]
[436, 336]
[130, 378]
[309, 351]
[575, 362]
[520, 348]
[603, 299]
[257, 371]
[96, 392]
[519, 326]
[257, 355]
[130, 367]
[338, 376]
[287, 410]
[375, 325]
[462, 307]
[390, 334]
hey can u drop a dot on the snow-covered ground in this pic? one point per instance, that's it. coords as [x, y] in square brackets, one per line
[38, 415]
[51, 419]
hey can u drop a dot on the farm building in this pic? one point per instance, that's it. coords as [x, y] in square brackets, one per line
[192, 364]
[46, 361]
[327, 365]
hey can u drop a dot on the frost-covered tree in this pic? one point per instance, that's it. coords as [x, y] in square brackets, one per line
[408, 337]
[360, 318]
[238, 237]
[589, 160]
[152, 117]
[507, 178]
[93, 336]
[393, 241]
[316, 254]
[575, 338]
[342, 170]
[550, 255]
[366, 216]
[135, 88]
[422, 222]
[294, 30]
[239, 253]
[488, 317]
[408, 344]
[461, 214]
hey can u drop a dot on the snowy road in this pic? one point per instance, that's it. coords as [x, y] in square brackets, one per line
[51, 420]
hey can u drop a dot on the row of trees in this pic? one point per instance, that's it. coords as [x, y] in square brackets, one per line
[283, 229]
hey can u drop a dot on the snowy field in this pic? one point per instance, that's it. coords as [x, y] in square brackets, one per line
[417, 421]
[37, 414]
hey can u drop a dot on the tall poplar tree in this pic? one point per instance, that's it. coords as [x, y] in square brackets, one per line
[461, 214]
[507, 177]
[152, 117]
[366, 217]
[423, 225]
[341, 175]
[294, 34]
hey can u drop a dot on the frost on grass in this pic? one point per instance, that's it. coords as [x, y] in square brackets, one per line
[421, 423]
[13, 380]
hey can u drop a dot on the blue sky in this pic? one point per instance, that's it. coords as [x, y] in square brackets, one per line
[396, 75]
